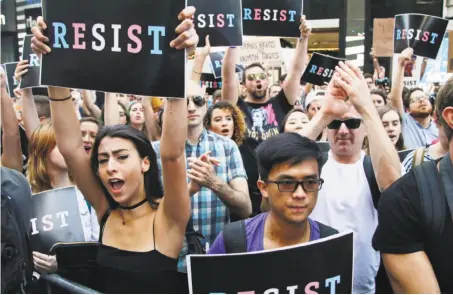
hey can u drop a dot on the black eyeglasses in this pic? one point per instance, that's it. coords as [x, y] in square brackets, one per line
[309, 185]
[253, 77]
[199, 101]
[352, 123]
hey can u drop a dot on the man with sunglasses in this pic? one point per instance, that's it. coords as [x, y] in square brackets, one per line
[352, 180]
[419, 129]
[290, 167]
[263, 114]
[216, 175]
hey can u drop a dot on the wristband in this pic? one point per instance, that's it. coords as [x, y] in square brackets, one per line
[66, 98]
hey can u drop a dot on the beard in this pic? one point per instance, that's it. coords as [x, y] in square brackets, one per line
[422, 114]
[258, 93]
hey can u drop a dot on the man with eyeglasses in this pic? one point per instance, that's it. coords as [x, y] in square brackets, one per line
[419, 129]
[263, 114]
[290, 167]
[352, 180]
[216, 175]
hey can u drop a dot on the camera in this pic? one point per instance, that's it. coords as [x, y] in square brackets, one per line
[383, 82]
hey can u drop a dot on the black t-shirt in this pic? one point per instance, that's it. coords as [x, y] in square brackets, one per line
[263, 121]
[402, 229]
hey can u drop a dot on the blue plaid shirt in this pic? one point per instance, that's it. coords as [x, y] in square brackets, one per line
[209, 213]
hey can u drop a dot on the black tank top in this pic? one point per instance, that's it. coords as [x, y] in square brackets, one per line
[121, 271]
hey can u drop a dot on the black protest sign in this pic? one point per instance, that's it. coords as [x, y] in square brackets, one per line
[212, 84]
[221, 20]
[271, 18]
[216, 59]
[10, 69]
[423, 33]
[320, 69]
[323, 266]
[31, 78]
[31, 14]
[122, 49]
[56, 218]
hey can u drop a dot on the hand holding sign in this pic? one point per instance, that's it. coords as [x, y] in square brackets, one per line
[21, 69]
[305, 28]
[406, 57]
[188, 37]
[45, 263]
[38, 42]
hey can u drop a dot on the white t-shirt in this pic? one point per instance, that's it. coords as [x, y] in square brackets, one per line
[345, 203]
[89, 219]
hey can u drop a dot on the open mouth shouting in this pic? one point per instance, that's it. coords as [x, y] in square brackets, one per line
[225, 132]
[116, 185]
[87, 148]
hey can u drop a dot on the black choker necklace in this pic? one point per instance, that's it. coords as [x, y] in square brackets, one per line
[134, 206]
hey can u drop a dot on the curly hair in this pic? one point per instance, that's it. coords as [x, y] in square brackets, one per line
[238, 120]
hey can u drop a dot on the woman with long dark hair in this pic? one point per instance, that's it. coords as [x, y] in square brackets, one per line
[142, 232]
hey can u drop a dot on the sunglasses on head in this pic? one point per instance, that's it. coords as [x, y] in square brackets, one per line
[253, 77]
[353, 123]
[199, 101]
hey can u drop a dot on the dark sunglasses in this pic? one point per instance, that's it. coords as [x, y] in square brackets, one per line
[290, 186]
[253, 77]
[199, 101]
[353, 123]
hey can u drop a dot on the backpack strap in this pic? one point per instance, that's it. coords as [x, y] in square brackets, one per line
[432, 196]
[235, 237]
[326, 231]
[419, 157]
[372, 182]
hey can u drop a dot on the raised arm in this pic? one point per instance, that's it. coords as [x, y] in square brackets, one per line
[230, 90]
[150, 120]
[176, 203]
[12, 152]
[29, 111]
[88, 102]
[384, 157]
[111, 115]
[68, 134]
[396, 94]
[200, 58]
[291, 85]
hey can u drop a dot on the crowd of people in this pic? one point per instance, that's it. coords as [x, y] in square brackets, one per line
[148, 171]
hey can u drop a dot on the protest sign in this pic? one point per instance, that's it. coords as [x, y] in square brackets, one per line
[270, 18]
[31, 78]
[55, 218]
[412, 71]
[383, 37]
[320, 69]
[423, 33]
[323, 266]
[10, 68]
[221, 20]
[261, 50]
[212, 84]
[122, 49]
[216, 60]
[31, 15]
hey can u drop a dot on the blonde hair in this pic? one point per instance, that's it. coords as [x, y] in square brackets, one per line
[41, 144]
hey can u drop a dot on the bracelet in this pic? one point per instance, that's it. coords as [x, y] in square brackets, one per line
[66, 98]
[196, 72]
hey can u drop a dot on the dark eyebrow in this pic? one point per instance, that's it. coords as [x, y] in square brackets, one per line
[113, 152]
[289, 177]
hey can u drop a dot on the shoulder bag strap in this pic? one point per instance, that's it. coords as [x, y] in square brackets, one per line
[235, 237]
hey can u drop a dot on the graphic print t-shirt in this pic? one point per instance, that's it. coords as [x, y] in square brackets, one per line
[263, 121]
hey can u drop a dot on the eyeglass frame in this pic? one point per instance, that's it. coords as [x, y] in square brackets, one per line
[196, 97]
[249, 76]
[298, 183]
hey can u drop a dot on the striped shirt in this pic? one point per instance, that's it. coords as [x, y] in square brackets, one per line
[415, 135]
[409, 160]
[209, 213]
